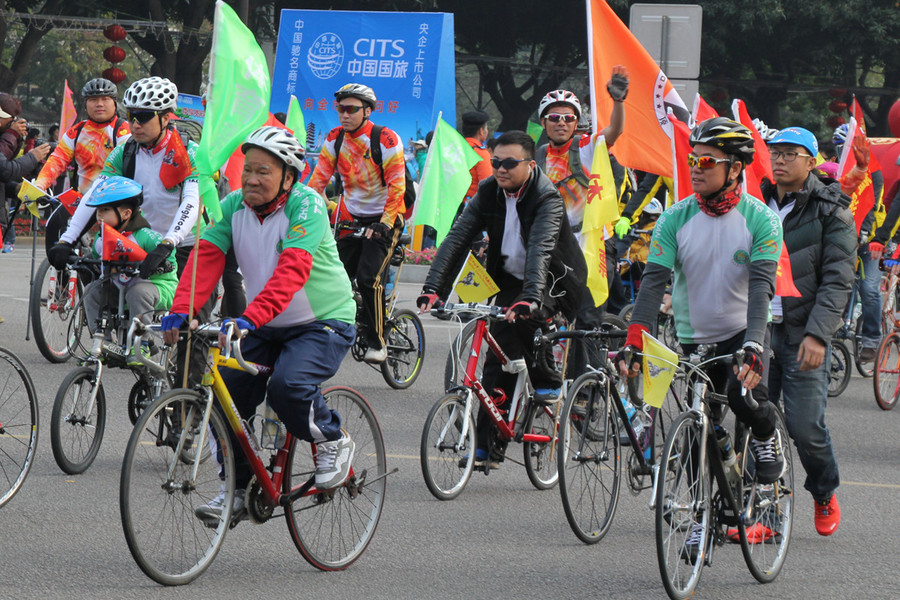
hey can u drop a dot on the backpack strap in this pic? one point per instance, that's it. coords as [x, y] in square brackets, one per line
[375, 147]
[129, 157]
[575, 167]
[540, 157]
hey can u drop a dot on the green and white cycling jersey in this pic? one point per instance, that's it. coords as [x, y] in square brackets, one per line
[301, 223]
[711, 257]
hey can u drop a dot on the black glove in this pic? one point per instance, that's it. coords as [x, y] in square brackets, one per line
[155, 259]
[58, 255]
[521, 310]
[751, 357]
[617, 86]
[428, 297]
[380, 230]
[630, 356]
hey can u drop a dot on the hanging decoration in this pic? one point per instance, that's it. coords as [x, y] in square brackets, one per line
[114, 54]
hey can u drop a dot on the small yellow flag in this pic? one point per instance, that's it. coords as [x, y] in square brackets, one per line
[473, 284]
[659, 370]
[29, 194]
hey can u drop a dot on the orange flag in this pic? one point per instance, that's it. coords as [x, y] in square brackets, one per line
[702, 110]
[762, 163]
[118, 247]
[681, 147]
[784, 278]
[69, 114]
[863, 198]
[646, 142]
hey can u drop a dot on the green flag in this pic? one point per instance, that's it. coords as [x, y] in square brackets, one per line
[535, 130]
[237, 99]
[295, 121]
[445, 179]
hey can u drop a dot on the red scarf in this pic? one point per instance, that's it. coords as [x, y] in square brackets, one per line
[719, 205]
[176, 165]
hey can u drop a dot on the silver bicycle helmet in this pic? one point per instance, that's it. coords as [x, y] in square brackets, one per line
[151, 93]
[279, 142]
[99, 87]
[357, 90]
[559, 97]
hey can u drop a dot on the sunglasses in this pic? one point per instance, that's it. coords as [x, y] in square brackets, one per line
[141, 116]
[352, 110]
[705, 162]
[507, 163]
[556, 118]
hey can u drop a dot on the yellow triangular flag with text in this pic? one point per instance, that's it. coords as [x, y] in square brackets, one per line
[602, 208]
[29, 194]
[659, 370]
[473, 284]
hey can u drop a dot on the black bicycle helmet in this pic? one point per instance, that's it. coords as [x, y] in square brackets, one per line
[729, 136]
[98, 87]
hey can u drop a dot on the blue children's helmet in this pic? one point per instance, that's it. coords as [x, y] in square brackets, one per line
[798, 137]
[117, 191]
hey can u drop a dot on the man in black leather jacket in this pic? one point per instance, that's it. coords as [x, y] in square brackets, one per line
[533, 257]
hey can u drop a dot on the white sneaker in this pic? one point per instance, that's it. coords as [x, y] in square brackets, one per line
[333, 460]
[213, 510]
[376, 355]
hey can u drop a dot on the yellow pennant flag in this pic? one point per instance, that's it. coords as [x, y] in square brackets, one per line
[659, 370]
[601, 209]
[29, 194]
[473, 284]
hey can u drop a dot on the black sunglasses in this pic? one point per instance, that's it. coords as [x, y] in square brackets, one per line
[344, 108]
[507, 163]
[141, 116]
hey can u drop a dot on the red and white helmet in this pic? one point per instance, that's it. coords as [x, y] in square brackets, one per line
[559, 97]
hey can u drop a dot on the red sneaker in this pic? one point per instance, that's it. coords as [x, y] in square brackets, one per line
[828, 515]
[756, 534]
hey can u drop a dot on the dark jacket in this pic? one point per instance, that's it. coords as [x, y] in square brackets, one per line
[820, 237]
[553, 256]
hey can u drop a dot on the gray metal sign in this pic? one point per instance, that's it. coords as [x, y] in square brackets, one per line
[671, 34]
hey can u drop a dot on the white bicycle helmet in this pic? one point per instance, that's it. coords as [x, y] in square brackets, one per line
[279, 142]
[654, 207]
[357, 90]
[559, 97]
[766, 132]
[151, 93]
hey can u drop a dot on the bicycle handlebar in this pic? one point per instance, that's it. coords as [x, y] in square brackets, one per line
[488, 311]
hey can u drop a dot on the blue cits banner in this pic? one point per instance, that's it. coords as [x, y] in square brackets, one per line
[407, 58]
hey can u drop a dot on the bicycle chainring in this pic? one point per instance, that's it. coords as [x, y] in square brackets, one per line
[258, 509]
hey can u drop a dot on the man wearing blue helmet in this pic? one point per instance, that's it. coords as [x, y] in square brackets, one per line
[820, 236]
[117, 201]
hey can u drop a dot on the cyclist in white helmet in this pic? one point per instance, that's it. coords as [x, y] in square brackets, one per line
[301, 312]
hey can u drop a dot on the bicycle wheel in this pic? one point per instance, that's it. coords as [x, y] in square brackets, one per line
[655, 436]
[625, 313]
[768, 512]
[589, 459]
[540, 457]
[158, 492]
[52, 311]
[682, 508]
[447, 451]
[78, 420]
[839, 376]
[405, 339]
[864, 369]
[887, 373]
[18, 424]
[457, 358]
[332, 529]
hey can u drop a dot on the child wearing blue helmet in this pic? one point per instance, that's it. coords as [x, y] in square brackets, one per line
[117, 201]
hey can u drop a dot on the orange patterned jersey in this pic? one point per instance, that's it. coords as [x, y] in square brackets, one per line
[364, 194]
[557, 168]
[95, 142]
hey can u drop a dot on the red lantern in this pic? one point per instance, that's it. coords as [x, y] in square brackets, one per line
[837, 92]
[894, 118]
[114, 74]
[835, 121]
[114, 33]
[837, 106]
[114, 54]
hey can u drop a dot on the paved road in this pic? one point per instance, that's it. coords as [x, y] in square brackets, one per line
[62, 538]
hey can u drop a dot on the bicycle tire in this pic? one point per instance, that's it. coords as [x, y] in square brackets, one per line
[50, 320]
[19, 424]
[886, 381]
[447, 459]
[864, 369]
[673, 405]
[765, 560]
[840, 371]
[540, 457]
[332, 529]
[76, 424]
[455, 366]
[405, 341]
[590, 467]
[683, 500]
[625, 313]
[167, 541]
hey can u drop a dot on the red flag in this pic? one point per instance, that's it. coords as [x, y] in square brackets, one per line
[762, 163]
[118, 247]
[856, 111]
[784, 277]
[69, 199]
[235, 165]
[681, 148]
[863, 197]
[888, 152]
[645, 144]
[69, 114]
[702, 110]
[176, 165]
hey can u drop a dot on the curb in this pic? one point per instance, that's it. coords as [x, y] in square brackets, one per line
[414, 273]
